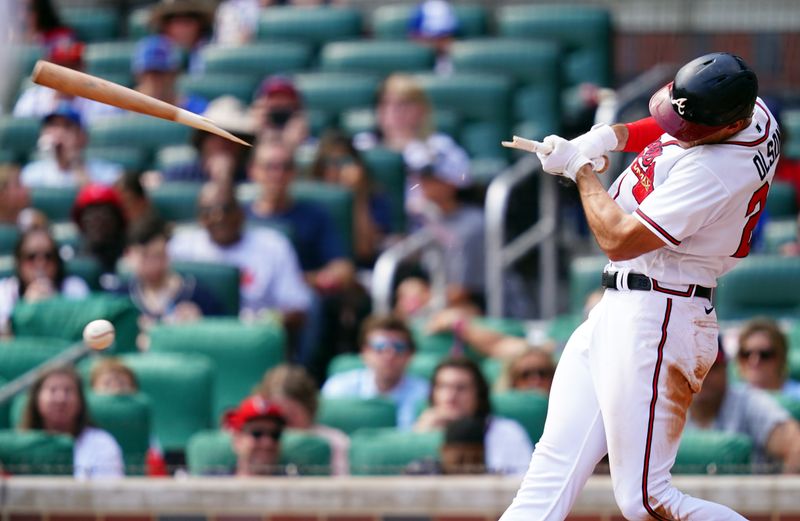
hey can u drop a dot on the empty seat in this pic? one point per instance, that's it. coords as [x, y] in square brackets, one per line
[87, 268]
[21, 354]
[9, 235]
[391, 21]
[180, 387]
[259, 59]
[55, 203]
[176, 201]
[127, 418]
[584, 278]
[337, 201]
[388, 171]
[242, 353]
[18, 136]
[221, 280]
[782, 201]
[132, 159]
[36, 452]
[351, 414]
[174, 155]
[760, 285]
[92, 24]
[316, 25]
[713, 452]
[778, 233]
[137, 130]
[214, 85]
[336, 92]
[481, 97]
[138, 23]
[376, 57]
[529, 408]
[109, 58]
[389, 451]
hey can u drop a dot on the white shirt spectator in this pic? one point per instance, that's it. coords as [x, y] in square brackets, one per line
[39, 101]
[508, 447]
[236, 22]
[72, 288]
[96, 454]
[270, 274]
[47, 173]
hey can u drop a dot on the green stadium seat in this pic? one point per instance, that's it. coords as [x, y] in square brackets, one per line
[492, 369]
[476, 97]
[5, 421]
[242, 353]
[584, 32]
[337, 201]
[527, 408]
[25, 56]
[376, 57]
[423, 364]
[18, 136]
[36, 452]
[9, 235]
[713, 452]
[93, 24]
[258, 60]
[760, 285]
[131, 159]
[221, 280]
[55, 203]
[21, 354]
[561, 327]
[782, 201]
[312, 25]
[63, 318]
[790, 127]
[109, 58]
[390, 22]
[388, 171]
[350, 414]
[584, 278]
[389, 451]
[138, 23]
[137, 130]
[87, 268]
[127, 418]
[180, 387]
[337, 92]
[176, 201]
[6, 266]
[344, 362]
[210, 453]
[481, 140]
[779, 232]
[790, 404]
[174, 155]
[214, 85]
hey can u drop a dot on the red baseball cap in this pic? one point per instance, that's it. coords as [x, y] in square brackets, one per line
[278, 84]
[249, 409]
[94, 193]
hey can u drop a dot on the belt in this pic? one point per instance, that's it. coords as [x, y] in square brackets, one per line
[637, 281]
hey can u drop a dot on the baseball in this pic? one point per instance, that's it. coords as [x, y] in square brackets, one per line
[98, 334]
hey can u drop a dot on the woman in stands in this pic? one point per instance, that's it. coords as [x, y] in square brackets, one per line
[56, 404]
[38, 274]
[763, 358]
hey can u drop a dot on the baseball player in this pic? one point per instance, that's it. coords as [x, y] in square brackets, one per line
[680, 216]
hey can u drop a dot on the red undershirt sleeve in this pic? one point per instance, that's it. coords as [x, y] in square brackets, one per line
[641, 133]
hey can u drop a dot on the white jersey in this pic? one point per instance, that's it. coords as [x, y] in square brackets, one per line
[703, 202]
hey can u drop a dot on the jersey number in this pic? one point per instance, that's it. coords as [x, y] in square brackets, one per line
[754, 208]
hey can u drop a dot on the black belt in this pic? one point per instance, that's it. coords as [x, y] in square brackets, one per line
[637, 281]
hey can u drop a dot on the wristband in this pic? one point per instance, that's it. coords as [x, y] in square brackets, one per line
[641, 133]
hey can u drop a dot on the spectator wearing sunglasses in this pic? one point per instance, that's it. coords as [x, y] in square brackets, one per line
[743, 409]
[38, 274]
[531, 370]
[256, 427]
[762, 358]
[386, 349]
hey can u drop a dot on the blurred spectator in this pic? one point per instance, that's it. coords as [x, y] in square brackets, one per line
[459, 390]
[462, 452]
[236, 21]
[155, 66]
[56, 404]
[278, 112]
[405, 125]
[38, 275]
[742, 409]
[386, 349]
[434, 23]
[271, 278]
[293, 389]
[62, 142]
[531, 370]
[44, 25]
[460, 321]
[188, 23]
[219, 159]
[338, 162]
[111, 376]
[135, 202]
[792, 249]
[14, 196]
[763, 358]
[256, 427]
[100, 215]
[412, 296]
[161, 294]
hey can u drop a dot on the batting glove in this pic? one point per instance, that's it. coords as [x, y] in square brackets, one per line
[599, 141]
[565, 158]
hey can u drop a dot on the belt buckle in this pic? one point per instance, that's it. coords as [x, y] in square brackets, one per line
[621, 277]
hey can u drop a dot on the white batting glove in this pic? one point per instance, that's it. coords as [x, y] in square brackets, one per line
[599, 141]
[564, 159]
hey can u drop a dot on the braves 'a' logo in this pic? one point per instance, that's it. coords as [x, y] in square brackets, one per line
[680, 105]
[643, 167]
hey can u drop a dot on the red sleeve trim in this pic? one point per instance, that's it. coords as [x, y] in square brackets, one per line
[658, 228]
[641, 133]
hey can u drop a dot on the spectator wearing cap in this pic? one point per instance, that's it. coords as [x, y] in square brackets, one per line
[763, 358]
[278, 112]
[743, 409]
[188, 23]
[156, 64]
[62, 141]
[434, 23]
[44, 26]
[256, 427]
[99, 213]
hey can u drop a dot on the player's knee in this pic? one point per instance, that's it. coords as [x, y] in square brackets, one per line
[635, 507]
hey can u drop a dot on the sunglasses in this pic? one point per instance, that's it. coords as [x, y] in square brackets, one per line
[210, 210]
[44, 255]
[382, 344]
[256, 434]
[538, 372]
[760, 355]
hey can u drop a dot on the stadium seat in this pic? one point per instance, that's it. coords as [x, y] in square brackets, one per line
[351, 414]
[137, 130]
[127, 418]
[790, 126]
[492, 369]
[102, 59]
[214, 85]
[713, 452]
[390, 22]
[344, 362]
[376, 57]
[132, 159]
[317, 25]
[210, 453]
[782, 201]
[476, 97]
[55, 203]
[66, 318]
[481, 140]
[18, 136]
[337, 201]
[584, 32]
[176, 201]
[242, 353]
[138, 23]
[259, 59]
[760, 285]
[20, 354]
[561, 327]
[584, 278]
[527, 408]
[423, 364]
[5, 421]
[334, 93]
[777, 233]
[180, 387]
[87, 268]
[25, 57]
[36, 452]
[9, 235]
[389, 451]
[220, 280]
[174, 155]
[92, 24]
[388, 171]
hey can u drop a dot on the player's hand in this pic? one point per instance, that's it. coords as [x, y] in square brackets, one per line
[564, 158]
[598, 142]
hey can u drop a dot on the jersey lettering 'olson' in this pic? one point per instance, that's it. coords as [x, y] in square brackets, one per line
[764, 164]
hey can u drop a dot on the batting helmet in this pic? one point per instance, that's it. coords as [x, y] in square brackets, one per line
[708, 93]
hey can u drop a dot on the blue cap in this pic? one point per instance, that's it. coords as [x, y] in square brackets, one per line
[433, 19]
[65, 110]
[155, 53]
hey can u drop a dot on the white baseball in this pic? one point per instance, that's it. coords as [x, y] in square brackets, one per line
[99, 334]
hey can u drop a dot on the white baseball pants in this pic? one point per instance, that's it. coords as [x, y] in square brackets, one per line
[622, 387]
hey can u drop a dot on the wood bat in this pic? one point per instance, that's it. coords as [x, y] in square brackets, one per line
[85, 85]
[600, 164]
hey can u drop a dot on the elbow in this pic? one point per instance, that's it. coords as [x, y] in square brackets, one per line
[619, 254]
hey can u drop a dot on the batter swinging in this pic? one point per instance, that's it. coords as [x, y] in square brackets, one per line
[680, 216]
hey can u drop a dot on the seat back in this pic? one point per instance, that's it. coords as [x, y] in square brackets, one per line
[127, 418]
[390, 22]
[21, 354]
[257, 59]
[388, 171]
[480, 97]
[529, 408]
[316, 25]
[336, 200]
[109, 58]
[333, 93]
[18, 137]
[55, 203]
[92, 24]
[137, 130]
[9, 235]
[176, 201]
[213, 85]
[221, 280]
[36, 452]
[760, 285]
[782, 201]
[350, 414]
[389, 451]
[376, 57]
[713, 452]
